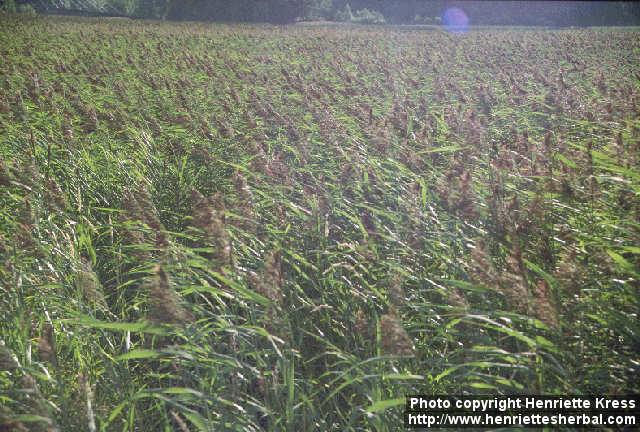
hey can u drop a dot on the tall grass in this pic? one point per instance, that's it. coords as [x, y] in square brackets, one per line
[208, 227]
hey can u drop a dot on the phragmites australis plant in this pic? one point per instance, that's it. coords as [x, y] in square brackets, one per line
[259, 228]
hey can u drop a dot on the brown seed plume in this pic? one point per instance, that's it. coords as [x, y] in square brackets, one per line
[396, 291]
[269, 282]
[394, 338]
[513, 283]
[54, 195]
[5, 175]
[362, 325]
[89, 285]
[244, 202]
[457, 299]
[139, 207]
[544, 307]
[37, 404]
[209, 217]
[7, 360]
[47, 345]
[482, 268]
[165, 304]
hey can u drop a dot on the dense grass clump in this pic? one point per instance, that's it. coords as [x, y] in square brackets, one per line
[207, 227]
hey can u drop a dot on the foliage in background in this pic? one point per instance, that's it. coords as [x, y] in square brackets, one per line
[214, 227]
[362, 16]
[484, 12]
[313, 10]
[426, 19]
[345, 14]
[366, 16]
[9, 6]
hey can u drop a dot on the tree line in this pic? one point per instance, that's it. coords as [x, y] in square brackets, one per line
[547, 13]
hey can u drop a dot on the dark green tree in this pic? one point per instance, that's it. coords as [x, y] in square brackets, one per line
[152, 8]
[317, 9]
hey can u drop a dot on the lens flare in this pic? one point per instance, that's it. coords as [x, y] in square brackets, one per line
[455, 20]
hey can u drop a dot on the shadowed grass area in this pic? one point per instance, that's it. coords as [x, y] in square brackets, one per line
[215, 227]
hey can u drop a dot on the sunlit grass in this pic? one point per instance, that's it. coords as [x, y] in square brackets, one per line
[212, 227]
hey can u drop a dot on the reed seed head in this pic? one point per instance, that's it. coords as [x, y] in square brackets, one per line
[394, 338]
[165, 304]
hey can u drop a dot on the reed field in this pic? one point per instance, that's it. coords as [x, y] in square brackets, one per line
[290, 228]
